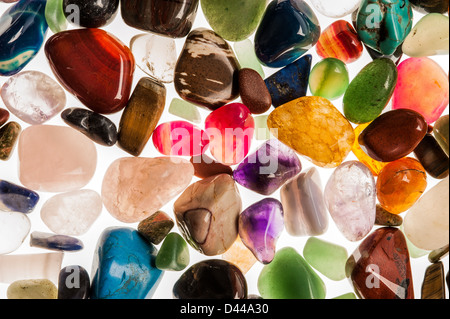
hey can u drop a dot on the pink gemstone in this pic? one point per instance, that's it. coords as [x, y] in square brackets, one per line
[423, 87]
[230, 129]
[180, 138]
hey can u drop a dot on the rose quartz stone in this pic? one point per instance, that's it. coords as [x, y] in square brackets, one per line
[55, 158]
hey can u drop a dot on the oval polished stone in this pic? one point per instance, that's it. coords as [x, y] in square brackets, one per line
[74, 283]
[9, 135]
[15, 198]
[393, 135]
[51, 241]
[329, 79]
[430, 6]
[385, 218]
[433, 286]
[334, 9]
[32, 289]
[432, 157]
[103, 85]
[253, 91]
[14, 228]
[4, 116]
[156, 227]
[90, 14]
[440, 132]
[55, 17]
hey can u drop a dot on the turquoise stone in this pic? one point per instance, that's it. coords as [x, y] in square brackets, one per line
[384, 24]
[124, 266]
[22, 32]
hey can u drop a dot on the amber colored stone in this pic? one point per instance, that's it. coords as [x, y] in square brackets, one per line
[141, 115]
[385, 218]
[380, 267]
[4, 116]
[9, 134]
[204, 167]
[240, 256]
[156, 227]
[433, 158]
[433, 286]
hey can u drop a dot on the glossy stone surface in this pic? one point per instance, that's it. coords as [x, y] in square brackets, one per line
[289, 276]
[329, 79]
[55, 17]
[32, 289]
[156, 227]
[262, 132]
[268, 168]
[240, 256]
[123, 266]
[211, 279]
[245, 52]
[291, 82]
[304, 125]
[370, 91]
[207, 214]
[400, 184]
[393, 135]
[74, 283]
[72, 213]
[305, 213]
[173, 254]
[380, 267]
[287, 30]
[438, 254]
[9, 135]
[55, 242]
[429, 6]
[14, 228]
[205, 166]
[172, 18]
[206, 72]
[129, 191]
[423, 87]
[334, 9]
[432, 157]
[15, 198]
[395, 57]
[103, 85]
[385, 218]
[22, 32]
[253, 91]
[90, 14]
[433, 286]
[4, 116]
[350, 195]
[440, 132]
[141, 115]
[185, 110]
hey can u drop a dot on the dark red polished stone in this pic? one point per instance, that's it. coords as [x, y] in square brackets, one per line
[94, 66]
[4, 116]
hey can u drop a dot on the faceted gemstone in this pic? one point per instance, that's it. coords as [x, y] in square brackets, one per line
[14, 227]
[430, 36]
[180, 138]
[173, 254]
[262, 132]
[370, 91]
[314, 128]
[95, 126]
[260, 226]
[349, 295]
[393, 135]
[329, 79]
[430, 6]
[289, 276]
[426, 223]
[207, 213]
[15, 198]
[155, 55]
[245, 52]
[55, 158]
[22, 32]
[74, 283]
[4, 116]
[211, 279]
[90, 14]
[385, 218]
[422, 87]
[72, 213]
[128, 190]
[172, 18]
[156, 227]
[205, 166]
[305, 213]
[400, 184]
[268, 168]
[32, 289]
[328, 258]
[55, 242]
[440, 132]
[291, 82]
[438, 254]
[240, 256]
[432, 157]
[253, 91]
[340, 41]
[287, 30]
[124, 266]
[433, 286]
[384, 24]
[141, 115]
[206, 72]
[334, 9]
[380, 267]
[230, 129]
[103, 85]
[185, 110]
[55, 17]
[350, 195]
[9, 135]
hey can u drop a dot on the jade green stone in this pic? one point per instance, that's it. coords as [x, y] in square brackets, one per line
[329, 79]
[185, 110]
[327, 258]
[349, 295]
[440, 132]
[370, 91]
[245, 52]
[262, 131]
[54, 15]
[289, 276]
[233, 20]
[173, 254]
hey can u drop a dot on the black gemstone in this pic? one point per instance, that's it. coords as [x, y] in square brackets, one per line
[73, 283]
[90, 13]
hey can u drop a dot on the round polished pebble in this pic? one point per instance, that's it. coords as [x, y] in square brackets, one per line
[32, 289]
[54, 15]
[90, 14]
[253, 91]
[73, 283]
[14, 227]
[329, 79]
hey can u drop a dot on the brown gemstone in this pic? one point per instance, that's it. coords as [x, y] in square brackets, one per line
[205, 166]
[253, 91]
[4, 116]
[385, 218]
[433, 286]
[432, 157]
[156, 227]
[8, 138]
[437, 254]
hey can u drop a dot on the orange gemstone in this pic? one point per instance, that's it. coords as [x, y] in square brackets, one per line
[374, 166]
[240, 255]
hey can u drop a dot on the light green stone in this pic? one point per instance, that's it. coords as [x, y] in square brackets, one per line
[262, 132]
[185, 110]
[349, 295]
[54, 15]
[329, 79]
[173, 254]
[245, 52]
[414, 252]
[32, 289]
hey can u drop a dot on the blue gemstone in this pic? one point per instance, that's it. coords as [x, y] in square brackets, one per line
[15, 198]
[22, 32]
[291, 82]
[124, 266]
[55, 242]
[287, 30]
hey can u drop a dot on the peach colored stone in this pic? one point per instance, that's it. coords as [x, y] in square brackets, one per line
[240, 255]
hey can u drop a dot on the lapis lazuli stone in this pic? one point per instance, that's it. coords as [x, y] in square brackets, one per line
[287, 30]
[15, 198]
[22, 32]
[291, 82]
[55, 242]
[124, 266]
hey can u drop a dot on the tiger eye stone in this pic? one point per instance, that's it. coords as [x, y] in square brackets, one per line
[433, 286]
[432, 157]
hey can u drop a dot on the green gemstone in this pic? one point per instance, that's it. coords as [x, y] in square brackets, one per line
[262, 132]
[173, 254]
[289, 276]
[329, 79]
[54, 15]
[9, 135]
[245, 52]
[185, 110]
[349, 295]
[440, 132]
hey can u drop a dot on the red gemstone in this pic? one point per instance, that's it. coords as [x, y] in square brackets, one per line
[4, 116]
[94, 66]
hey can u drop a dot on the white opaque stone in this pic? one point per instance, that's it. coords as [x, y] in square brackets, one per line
[336, 8]
[14, 228]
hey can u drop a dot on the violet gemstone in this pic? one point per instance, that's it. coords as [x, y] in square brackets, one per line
[266, 170]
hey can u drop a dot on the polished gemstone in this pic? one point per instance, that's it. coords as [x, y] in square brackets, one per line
[9, 135]
[329, 79]
[440, 132]
[438, 254]
[55, 17]
[335, 9]
[74, 283]
[14, 228]
[385, 218]
[414, 251]
[32, 289]
[204, 167]
[395, 57]
[185, 110]
[262, 132]
[433, 286]
[430, 6]
[90, 14]
[432, 157]
[4, 116]
[15, 198]
[253, 91]
[55, 242]
[156, 227]
[173, 254]
[240, 256]
[245, 52]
